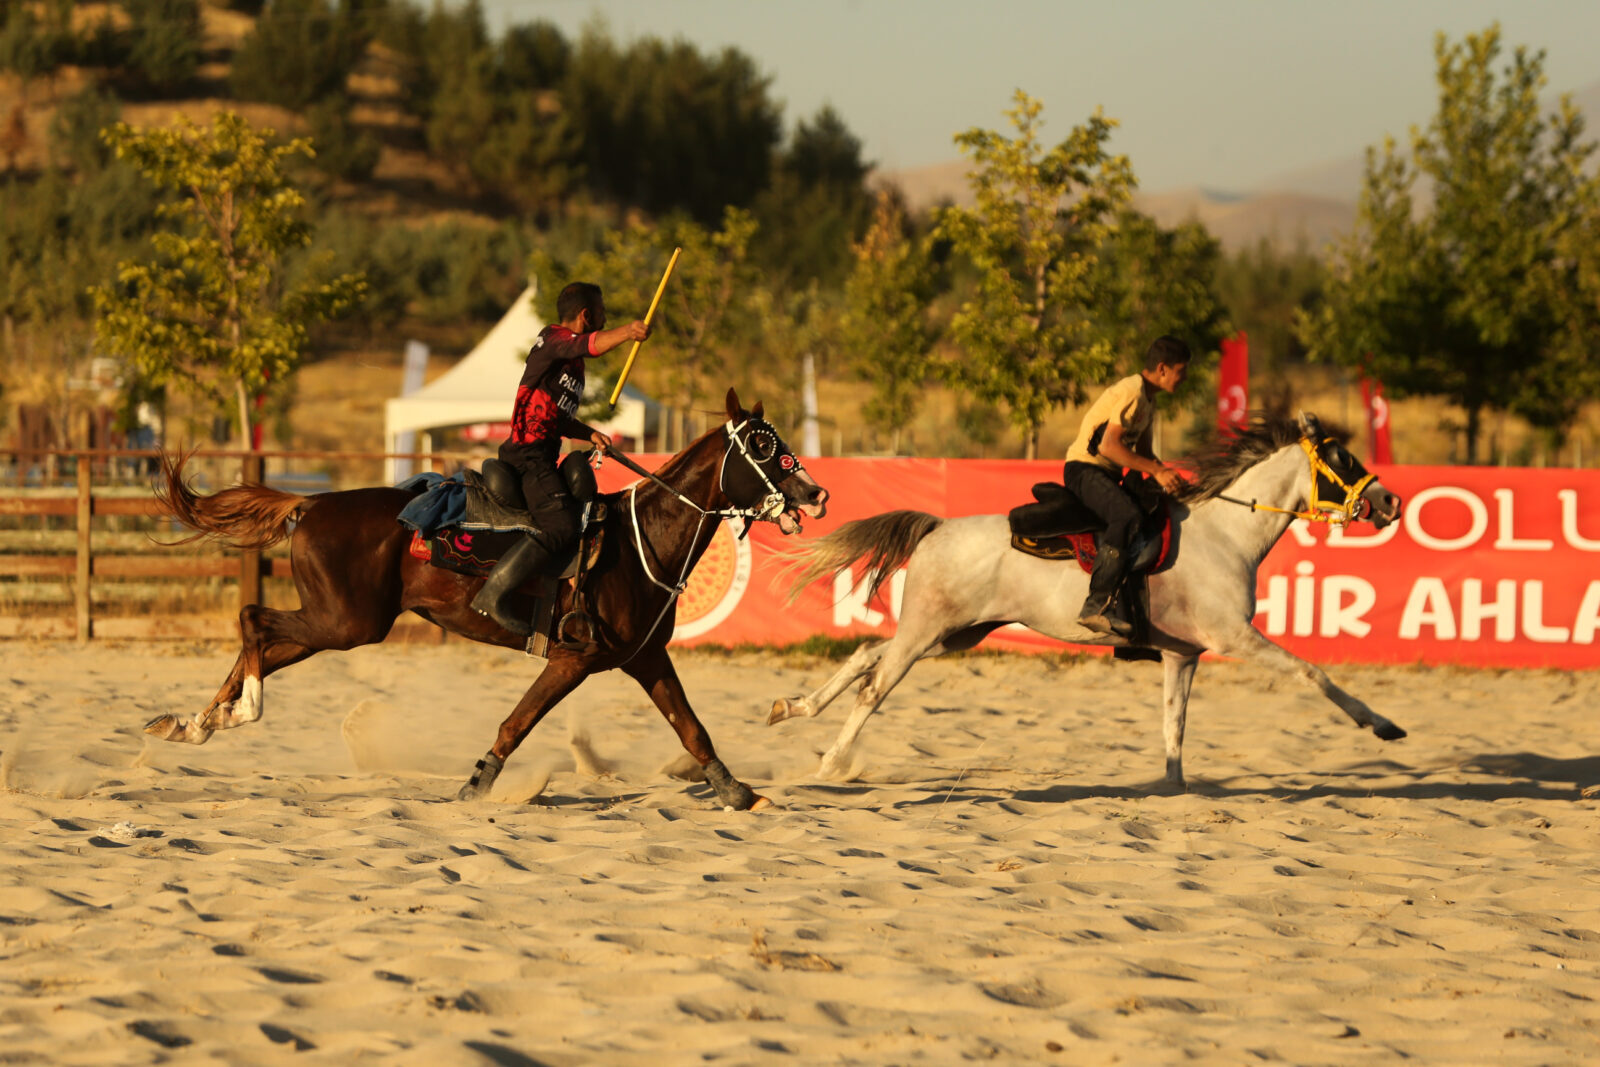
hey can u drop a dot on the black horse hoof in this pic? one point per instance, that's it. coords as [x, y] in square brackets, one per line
[1388, 731]
[482, 780]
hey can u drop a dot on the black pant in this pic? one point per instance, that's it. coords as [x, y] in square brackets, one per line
[1103, 494]
[554, 511]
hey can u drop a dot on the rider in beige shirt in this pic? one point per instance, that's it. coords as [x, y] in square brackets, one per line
[1116, 434]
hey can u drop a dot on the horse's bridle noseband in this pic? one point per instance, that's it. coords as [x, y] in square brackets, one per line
[1335, 513]
[771, 506]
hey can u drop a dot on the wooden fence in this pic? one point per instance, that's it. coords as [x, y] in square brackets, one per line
[78, 497]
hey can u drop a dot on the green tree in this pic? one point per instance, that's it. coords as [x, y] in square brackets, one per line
[211, 311]
[1489, 298]
[1262, 287]
[817, 204]
[886, 323]
[163, 43]
[703, 321]
[1160, 281]
[1030, 336]
[299, 52]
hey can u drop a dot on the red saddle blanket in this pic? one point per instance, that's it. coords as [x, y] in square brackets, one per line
[1080, 546]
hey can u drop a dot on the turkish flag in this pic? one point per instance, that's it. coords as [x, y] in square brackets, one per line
[1377, 406]
[1233, 381]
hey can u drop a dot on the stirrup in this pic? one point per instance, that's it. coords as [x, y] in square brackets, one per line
[572, 642]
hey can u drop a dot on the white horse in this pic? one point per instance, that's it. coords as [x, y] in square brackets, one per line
[964, 580]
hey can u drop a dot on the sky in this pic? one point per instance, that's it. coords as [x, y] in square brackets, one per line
[1225, 95]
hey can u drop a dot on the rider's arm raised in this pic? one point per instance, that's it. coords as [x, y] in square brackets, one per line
[603, 341]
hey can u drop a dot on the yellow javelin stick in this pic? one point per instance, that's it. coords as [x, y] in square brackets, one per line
[648, 315]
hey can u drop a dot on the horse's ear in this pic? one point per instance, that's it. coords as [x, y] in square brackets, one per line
[1309, 426]
[758, 412]
[734, 410]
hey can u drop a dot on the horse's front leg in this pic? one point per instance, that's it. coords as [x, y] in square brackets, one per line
[861, 663]
[1250, 645]
[559, 678]
[1176, 679]
[653, 670]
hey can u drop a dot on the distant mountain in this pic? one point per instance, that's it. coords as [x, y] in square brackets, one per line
[1312, 204]
[1285, 219]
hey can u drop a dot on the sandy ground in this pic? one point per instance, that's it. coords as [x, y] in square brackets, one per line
[1000, 884]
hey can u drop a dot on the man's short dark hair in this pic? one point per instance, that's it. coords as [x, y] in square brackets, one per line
[576, 297]
[1168, 350]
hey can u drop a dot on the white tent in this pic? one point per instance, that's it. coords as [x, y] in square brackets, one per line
[483, 386]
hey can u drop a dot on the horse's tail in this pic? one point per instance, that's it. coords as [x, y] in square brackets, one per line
[886, 540]
[241, 516]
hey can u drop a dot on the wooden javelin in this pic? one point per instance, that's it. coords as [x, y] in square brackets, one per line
[648, 315]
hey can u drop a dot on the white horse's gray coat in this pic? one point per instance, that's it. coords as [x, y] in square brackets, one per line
[963, 578]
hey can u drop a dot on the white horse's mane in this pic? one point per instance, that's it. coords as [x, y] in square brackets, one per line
[1230, 454]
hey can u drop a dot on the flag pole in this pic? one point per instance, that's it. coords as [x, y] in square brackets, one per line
[648, 315]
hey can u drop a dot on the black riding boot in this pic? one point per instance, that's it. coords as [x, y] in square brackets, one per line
[1101, 611]
[524, 560]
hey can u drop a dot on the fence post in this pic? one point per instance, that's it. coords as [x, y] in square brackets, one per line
[80, 593]
[250, 558]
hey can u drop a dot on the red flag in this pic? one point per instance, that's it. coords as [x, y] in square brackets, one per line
[1377, 407]
[1233, 381]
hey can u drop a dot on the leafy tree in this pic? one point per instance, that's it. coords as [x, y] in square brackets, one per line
[211, 311]
[534, 56]
[1030, 335]
[1262, 288]
[1491, 298]
[703, 317]
[886, 325]
[666, 128]
[817, 204]
[164, 42]
[1160, 281]
[343, 150]
[299, 53]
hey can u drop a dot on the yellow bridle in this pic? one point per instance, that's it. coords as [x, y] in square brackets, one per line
[1337, 513]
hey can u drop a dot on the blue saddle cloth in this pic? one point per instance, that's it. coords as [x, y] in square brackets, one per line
[442, 505]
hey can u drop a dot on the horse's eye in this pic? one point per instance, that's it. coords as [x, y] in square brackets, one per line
[763, 446]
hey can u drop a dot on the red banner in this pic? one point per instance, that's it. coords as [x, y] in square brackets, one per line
[1233, 381]
[1489, 566]
[1377, 408]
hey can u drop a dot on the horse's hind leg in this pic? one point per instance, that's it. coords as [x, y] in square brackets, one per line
[1249, 644]
[860, 663]
[897, 655]
[266, 647]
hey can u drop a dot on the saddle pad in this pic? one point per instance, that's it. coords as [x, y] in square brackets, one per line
[1081, 546]
[475, 552]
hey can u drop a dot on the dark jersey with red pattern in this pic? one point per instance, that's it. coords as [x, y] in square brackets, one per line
[548, 395]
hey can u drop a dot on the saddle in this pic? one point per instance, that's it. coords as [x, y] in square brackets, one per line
[1057, 526]
[490, 516]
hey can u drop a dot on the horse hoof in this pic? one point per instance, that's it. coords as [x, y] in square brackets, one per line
[784, 708]
[1387, 730]
[171, 728]
[483, 776]
[762, 804]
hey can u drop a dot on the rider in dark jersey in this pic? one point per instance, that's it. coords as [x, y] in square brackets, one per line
[546, 412]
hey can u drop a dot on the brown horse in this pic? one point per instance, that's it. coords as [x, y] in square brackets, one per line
[355, 576]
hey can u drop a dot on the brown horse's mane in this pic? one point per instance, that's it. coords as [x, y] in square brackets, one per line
[1233, 452]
